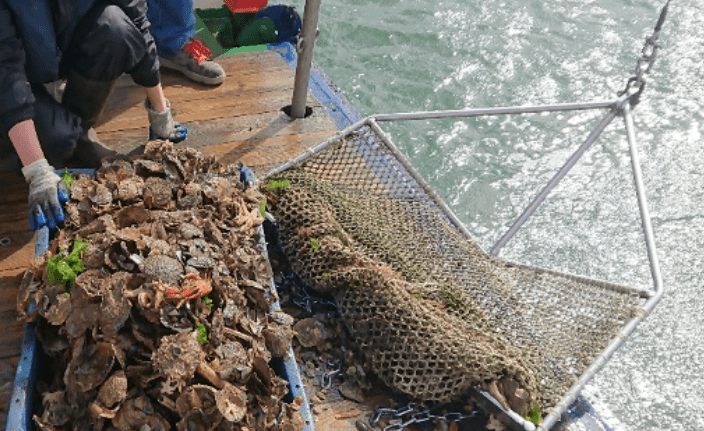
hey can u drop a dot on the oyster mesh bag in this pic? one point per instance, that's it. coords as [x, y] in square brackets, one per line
[431, 312]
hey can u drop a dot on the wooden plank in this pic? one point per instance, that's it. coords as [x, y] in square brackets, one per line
[20, 250]
[135, 117]
[258, 126]
[239, 88]
[242, 84]
[263, 154]
[15, 211]
[184, 92]
[13, 329]
[254, 62]
[237, 128]
[14, 227]
[13, 189]
[7, 377]
[11, 227]
[240, 64]
[235, 65]
[129, 133]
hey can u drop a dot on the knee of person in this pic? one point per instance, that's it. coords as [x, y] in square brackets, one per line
[58, 149]
[58, 129]
[115, 32]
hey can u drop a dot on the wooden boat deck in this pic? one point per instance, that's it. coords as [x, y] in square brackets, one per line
[240, 120]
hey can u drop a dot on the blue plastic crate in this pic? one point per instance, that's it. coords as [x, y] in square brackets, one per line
[22, 403]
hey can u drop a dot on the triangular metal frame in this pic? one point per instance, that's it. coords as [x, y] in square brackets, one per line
[620, 107]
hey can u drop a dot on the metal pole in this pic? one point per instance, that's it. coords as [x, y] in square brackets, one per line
[644, 211]
[305, 58]
[553, 182]
[466, 113]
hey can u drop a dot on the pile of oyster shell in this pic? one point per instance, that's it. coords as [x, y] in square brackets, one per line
[130, 345]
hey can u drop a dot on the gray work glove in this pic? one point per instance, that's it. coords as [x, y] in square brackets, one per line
[47, 193]
[162, 126]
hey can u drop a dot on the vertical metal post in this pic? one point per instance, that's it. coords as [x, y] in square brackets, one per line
[305, 58]
[644, 211]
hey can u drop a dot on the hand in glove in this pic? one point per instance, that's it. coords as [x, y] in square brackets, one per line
[162, 126]
[47, 193]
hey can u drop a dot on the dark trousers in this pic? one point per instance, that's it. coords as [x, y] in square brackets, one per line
[106, 45]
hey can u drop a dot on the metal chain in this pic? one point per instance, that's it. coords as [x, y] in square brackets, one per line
[336, 366]
[300, 297]
[645, 62]
[293, 286]
[414, 415]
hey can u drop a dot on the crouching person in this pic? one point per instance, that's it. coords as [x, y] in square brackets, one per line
[90, 43]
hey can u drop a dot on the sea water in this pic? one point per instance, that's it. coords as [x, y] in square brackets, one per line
[409, 55]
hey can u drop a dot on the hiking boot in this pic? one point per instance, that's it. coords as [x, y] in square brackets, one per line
[205, 72]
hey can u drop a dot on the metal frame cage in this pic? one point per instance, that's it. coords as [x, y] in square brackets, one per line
[583, 309]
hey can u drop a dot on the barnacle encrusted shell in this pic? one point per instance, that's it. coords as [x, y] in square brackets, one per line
[136, 413]
[91, 367]
[177, 358]
[232, 403]
[157, 193]
[163, 268]
[114, 390]
[57, 411]
[278, 339]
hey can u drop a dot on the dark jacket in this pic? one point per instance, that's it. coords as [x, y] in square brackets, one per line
[33, 36]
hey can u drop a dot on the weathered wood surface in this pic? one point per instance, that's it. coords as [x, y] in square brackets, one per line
[16, 250]
[240, 120]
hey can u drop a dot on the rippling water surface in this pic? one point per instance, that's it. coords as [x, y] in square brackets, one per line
[409, 55]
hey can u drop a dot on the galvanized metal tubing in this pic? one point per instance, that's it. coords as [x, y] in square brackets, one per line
[593, 136]
[508, 110]
[305, 58]
[648, 307]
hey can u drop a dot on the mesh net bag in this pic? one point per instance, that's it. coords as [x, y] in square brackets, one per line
[433, 313]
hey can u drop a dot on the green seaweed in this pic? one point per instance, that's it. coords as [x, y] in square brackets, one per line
[262, 208]
[68, 179]
[202, 334]
[314, 244]
[534, 415]
[207, 301]
[274, 185]
[63, 268]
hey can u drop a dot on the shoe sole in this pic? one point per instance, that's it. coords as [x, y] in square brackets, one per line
[191, 75]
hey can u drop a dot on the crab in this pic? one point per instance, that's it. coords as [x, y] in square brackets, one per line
[192, 286]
